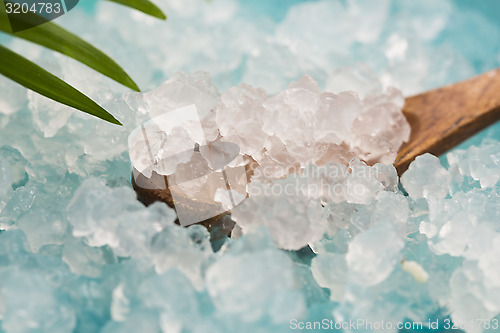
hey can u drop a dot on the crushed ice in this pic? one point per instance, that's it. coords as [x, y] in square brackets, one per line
[322, 234]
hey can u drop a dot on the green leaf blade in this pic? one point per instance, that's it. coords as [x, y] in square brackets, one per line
[52, 36]
[144, 6]
[33, 77]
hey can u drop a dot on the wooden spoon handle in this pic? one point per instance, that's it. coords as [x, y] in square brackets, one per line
[442, 118]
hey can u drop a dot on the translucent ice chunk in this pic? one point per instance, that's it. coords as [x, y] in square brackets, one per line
[13, 96]
[330, 271]
[174, 297]
[460, 222]
[380, 130]
[166, 141]
[17, 163]
[34, 304]
[427, 23]
[20, 202]
[360, 80]
[240, 116]
[179, 91]
[83, 259]
[5, 179]
[139, 321]
[292, 218]
[43, 226]
[392, 209]
[368, 266]
[14, 246]
[481, 163]
[185, 249]
[426, 178]
[301, 33]
[114, 217]
[49, 115]
[248, 285]
[471, 299]
[362, 184]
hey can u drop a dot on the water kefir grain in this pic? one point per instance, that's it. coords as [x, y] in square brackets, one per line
[340, 241]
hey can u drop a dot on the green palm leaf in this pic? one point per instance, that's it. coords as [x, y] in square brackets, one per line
[33, 77]
[144, 6]
[54, 37]
[60, 40]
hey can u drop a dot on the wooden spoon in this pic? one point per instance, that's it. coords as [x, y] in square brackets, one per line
[439, 119]
[442, 118]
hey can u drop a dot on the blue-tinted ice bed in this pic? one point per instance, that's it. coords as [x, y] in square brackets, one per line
[317, 246]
